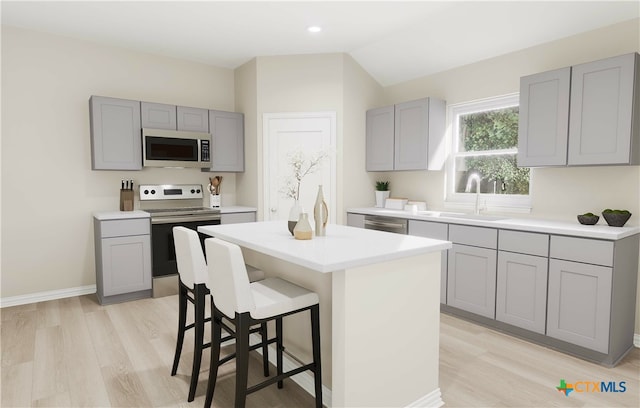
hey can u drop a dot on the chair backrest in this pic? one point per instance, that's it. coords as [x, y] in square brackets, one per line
[192, 266]
[228, 279]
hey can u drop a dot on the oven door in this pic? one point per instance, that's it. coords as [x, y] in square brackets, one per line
[162, 248]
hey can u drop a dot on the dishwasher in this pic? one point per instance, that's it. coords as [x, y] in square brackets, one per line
[388, 224]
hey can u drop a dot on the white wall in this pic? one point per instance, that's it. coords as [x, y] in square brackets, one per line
[48, 188]
[558, 193]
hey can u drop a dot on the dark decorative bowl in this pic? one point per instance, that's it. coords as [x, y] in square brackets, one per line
[616, 219]
[588, 219]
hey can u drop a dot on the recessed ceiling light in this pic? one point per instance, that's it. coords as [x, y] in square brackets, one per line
[314, 29]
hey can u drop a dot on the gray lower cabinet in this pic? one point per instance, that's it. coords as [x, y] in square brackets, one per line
[471, 279]
[592, 294]
[355, 220]
[521, 290]
[579, 304]
[158, 116]
[192, 119]
[115, 134]
[123, 259]
[227, 141]
[237, 217]
[435, 230]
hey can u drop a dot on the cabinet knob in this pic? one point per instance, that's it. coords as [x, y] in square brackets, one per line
[274, 209]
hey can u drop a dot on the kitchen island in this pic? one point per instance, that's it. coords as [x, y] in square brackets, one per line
[379, 300]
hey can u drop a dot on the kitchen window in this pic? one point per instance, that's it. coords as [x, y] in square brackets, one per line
[484, 152]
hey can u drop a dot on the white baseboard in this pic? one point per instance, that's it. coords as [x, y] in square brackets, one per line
[636, 340]
[48, 295]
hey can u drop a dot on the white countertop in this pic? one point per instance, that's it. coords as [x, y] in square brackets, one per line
[120, 215]
[600, 231]
[343, 247]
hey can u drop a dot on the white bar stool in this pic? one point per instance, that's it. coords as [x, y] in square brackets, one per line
[247, 304]
[192, 270]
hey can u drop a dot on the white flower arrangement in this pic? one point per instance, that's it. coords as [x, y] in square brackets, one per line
[301, 166]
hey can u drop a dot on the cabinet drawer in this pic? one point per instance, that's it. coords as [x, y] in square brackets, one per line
[524, 242]
[428, 229]
[474, 236]
[237, 218]
[585, 250]
[122, 228]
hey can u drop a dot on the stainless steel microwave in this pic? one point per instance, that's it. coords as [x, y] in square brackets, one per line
[172, 148]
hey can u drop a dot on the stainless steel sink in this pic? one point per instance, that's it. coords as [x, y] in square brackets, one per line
[461, 215]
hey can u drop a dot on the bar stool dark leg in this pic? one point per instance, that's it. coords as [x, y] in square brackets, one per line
[279, 349]
[265, 349]
[216, 336]
[317, 370]
[199, 294]
[243, 322]
[182, 320]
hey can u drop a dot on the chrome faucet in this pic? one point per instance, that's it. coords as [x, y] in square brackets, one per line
[470, 179]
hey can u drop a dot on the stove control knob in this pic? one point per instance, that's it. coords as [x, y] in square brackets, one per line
[198, 191]
[193, 191]
[153, 191]
[146, 192]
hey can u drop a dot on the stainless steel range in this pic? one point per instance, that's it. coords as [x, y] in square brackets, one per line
[174, 206]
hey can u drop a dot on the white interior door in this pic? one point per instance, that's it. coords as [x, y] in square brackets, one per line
[309, 133]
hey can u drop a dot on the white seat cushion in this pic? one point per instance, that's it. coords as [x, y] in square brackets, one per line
[275, 296]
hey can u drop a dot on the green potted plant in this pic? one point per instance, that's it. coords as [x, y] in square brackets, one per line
[616, 218]
[382, 193]
[588, 219]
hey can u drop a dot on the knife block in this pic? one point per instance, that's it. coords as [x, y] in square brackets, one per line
[126, 200]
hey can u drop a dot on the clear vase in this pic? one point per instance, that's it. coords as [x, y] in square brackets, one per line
[303, 229]
[320, 214]
[294, 215]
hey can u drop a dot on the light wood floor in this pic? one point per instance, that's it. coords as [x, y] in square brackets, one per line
[74, 352]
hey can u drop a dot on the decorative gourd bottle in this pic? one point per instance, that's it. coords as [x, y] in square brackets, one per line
[320, 214]
[303, 229]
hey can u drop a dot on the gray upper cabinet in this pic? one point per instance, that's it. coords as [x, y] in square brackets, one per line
[227, 141]
[115, 134]
[419, 134]
[588, 114]
[193, 119]
[158, 116]
[544, 119]
[380, 139]
[407, 136]
[603, 129]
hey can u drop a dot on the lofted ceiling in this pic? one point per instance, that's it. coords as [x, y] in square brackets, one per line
[394, 41]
